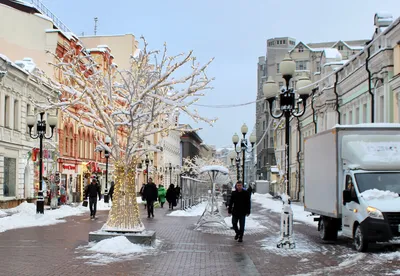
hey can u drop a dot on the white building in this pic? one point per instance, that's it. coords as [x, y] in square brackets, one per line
[362, 88]
[18, 88]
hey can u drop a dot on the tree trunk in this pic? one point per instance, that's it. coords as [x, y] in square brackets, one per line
[124, 215]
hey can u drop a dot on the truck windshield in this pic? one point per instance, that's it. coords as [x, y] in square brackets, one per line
[383, 181]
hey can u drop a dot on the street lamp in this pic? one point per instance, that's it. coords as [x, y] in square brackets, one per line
[41, 134]
[289, 103]
[170, 173]
[106, 155]
[235, 156]
[147, 161]
[244, 146]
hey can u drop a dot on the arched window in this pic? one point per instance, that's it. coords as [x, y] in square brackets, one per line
[87, 146]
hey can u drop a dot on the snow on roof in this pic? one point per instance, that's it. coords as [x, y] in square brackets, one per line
[332, 53]
[340, 62]
[103, 46]
[24, 3]
[103, 50]
[26, 64]
[5, 58]
[274, 169]
[214, 168]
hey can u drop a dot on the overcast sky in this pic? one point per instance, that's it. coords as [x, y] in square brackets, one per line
[232, 31]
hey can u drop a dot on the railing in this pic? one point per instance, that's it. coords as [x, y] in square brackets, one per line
[193, 192]
[44, 10]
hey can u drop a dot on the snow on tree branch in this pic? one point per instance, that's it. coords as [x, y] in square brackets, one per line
[133, 103]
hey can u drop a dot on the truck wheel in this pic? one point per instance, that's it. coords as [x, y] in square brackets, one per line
[328, 229]
[360, 243]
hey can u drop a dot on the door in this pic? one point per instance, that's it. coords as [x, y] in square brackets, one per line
[349, 208]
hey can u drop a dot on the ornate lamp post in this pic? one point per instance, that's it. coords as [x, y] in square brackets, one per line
[170, 173]
[244, 146]
[41, 134]
[147, 162]
[234, 156]
[106, 156]
[289, 102]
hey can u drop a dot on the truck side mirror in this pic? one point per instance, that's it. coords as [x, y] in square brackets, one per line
[346, 196]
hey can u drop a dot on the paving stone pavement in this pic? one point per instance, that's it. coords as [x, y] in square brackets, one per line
[60, 250]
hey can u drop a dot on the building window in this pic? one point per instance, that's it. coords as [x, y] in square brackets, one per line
[357, 115]
[301, 65]
[344, 119]
[277, 68]
[66, 142]
[340, 47]
[7, 111]
[16, 114]
[318, 66]
[381, 107]
[350, 117]
[284, 42]
[28, 110]
[10, 176]
[71, 142]
[301, 49]
[364, 113]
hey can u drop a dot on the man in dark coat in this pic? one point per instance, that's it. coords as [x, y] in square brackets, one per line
[239, 207]
[151, 194]
[92, 191]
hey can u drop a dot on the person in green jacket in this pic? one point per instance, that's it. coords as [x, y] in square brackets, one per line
[161, 195]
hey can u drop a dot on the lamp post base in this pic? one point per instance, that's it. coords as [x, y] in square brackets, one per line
[40, 206]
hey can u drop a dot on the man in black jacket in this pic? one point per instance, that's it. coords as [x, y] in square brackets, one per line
[239, 207]
[92, 190]
[150, 192]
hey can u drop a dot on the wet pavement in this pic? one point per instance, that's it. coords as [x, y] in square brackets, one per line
[181, 249]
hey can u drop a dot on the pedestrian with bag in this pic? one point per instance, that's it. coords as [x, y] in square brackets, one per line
[92, 191]
[162, 193]
[239, 208]
[171, 196]
[150, 193]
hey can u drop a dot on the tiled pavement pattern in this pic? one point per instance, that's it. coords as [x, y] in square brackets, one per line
[59, 250]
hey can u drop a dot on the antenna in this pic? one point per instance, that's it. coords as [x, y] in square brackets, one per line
[95, 25]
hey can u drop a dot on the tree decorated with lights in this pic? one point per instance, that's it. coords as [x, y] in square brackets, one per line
[129, 106]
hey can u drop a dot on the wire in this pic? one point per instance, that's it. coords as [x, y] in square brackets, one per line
[228, 105]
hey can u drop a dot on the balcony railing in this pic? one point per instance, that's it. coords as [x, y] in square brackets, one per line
[44, 10]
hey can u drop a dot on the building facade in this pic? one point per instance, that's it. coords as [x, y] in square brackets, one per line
[347, 79]
[19, 167]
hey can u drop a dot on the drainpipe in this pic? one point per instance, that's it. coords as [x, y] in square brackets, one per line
[298, 160]
[313, 109]
[370, 85]
[337, 96]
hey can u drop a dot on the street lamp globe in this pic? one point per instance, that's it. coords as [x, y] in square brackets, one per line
[253, 139]
[287, 67]
[30, 121]
[304, 86]
[235, 139]
[270, 88]
[107, 140]
[52, 120]
[244, 129]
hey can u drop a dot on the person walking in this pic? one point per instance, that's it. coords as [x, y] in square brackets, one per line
[92, 191]
[150, 192]
[239, 208]
[178, 193]
[111, 191]
[161, 195]
[171, 196]
[141, 192]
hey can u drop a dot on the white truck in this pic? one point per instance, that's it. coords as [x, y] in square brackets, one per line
[352, 182]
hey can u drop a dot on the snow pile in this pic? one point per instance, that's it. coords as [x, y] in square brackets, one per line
[195, 211]
[267, 202]
[250, 223]
[102, 206]
[378, 194]
[25, 216]
[2, 213]
[118, 245]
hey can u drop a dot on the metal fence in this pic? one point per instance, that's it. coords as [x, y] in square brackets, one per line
[193, 191]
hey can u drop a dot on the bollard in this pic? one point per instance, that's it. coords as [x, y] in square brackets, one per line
[286, 232]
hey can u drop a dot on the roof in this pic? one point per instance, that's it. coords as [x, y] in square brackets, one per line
[332, 53]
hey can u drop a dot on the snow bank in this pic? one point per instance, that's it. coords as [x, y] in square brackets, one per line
[118, 245]
[24, 215]
[378, 194]
[195, 211]
[2, 213]
[267, 202]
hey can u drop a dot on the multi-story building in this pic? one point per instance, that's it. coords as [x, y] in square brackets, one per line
[349, 75]
[19, 168]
